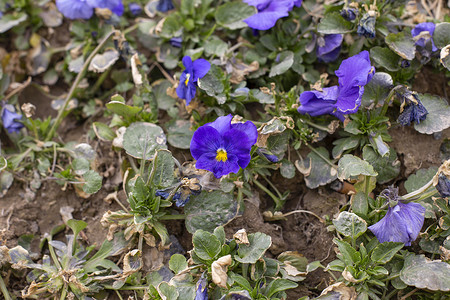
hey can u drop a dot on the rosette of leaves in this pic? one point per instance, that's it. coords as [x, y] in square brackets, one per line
[235, 267]
[69, 271]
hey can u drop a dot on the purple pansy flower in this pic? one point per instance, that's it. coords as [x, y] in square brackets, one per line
[222, 147]
[135, 8]
[10, 119]
[353, 73]
[188, 81]
[269, 11]
[75, 9]
[165, 5]
[176, 41]
[402, 222]
[329, 47]
[426, 26]
[202, 290]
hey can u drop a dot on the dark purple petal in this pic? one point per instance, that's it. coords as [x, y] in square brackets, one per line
[331, 48]
[238, 144]
[165, 5]
[221, 124]
[298, 3]
[135, 8]
[200, 68]
[75, 9]
[366, 26]
[249, 129]
[9, 119]
[349, 99]
[317, 103]
[182, 88]
[206, 139]
[220, 168]
[355, 71]
[109, 4]
[443, 185]
[119, 9]
[202, 290]
[190, 92]
[187, 63]
[402, 223]
[269, 15]
[426, 26]
[413, 113]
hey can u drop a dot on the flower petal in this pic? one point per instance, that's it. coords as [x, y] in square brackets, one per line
[349, 99]
[330, 51]
[317, 103]
[208, 162]
[187, 63]
[249, 129]
[200, 68]
[266, 18]
[221, 124]
[206, 139]
[237, 143]
[75, 9]
[355, 71]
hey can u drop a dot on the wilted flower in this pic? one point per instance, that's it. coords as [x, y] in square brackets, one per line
[412, 110]
[267, 154]
[425, 27]
[349, 13]
[165, 5]
[75, 9]
[176, 41]
[135, 8]
[442, 179]
[402, 222]
[202, 290]
[188, 81]
[10, 119]
[366, 26]
[222, 147]
[269, 11]
[354, 73]
[329, 47]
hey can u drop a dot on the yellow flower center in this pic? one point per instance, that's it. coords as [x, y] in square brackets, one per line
[221, 155]
[187, 79]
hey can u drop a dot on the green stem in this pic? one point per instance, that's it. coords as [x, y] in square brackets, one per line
[141, 239]
[53, 255]
[321, 156]
[272, 186]
[419, 191]
[278, 203]
[75, 84]
[64, 292]
[320, 127]
[388, 100]
[4, 289]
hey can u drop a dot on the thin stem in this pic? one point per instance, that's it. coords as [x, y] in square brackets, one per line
[388, 100]
[64, 292]
[118, 295]
[296, 212]
[75, 84]
[320, 127]
[278, 203]
[4, 289]
[53, 255]
[272, 185]
[419, 191]
[141, 238]
[321, 156]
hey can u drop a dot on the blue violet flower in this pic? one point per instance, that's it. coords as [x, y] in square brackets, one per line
[353, 73]
[329, 47]
[425, 27]
[202, 290]
[10, 119]
[135, 8]
[411, 109]
[269, 11]
[188, 80]
[402, 222]
[165, 5]
[176, 42]
[222, 147]
[75, 9]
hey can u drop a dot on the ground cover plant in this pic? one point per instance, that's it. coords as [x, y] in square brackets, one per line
[233, 149]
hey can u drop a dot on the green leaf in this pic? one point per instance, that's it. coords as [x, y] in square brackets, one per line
[316, 170]
[279, 285]
[160, 92]
[167, 291]
[143, 139]
[385, 58]
[377, 89]
[349, 224]
[219, 232]
[163, 169]
[423, 273]
[350, 166]
[387, 167]
[360, 204]
[285, 60]
[103, 132]
[344, 144]
[349, 255]
[215, 46]
[179, 134]
[177, 263]
[334, 23]
[92, 182]
[287, 169]
[438, 114]
[209, 210]
[206, 245]
[212, 84]
[171, 26]
[11, 20]
[80, 165]
[232, 14]
[402, 44]
[76, 225]
[441, 35]
[385, 252]
[419, 179]
[3, 163]
[259, 243]
[108, 248]
[122, 109]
